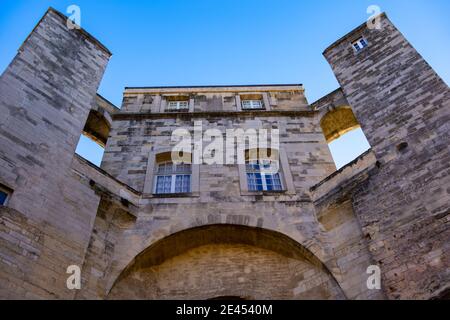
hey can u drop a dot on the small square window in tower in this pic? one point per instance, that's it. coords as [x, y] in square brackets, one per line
[360, 44]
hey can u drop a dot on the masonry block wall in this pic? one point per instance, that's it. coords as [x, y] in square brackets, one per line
[403, 107]
[45, 97]
[263, 274]
[117, 245]
[134, 135]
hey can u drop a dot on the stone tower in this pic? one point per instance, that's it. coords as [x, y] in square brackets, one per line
[46, 95]
[403, 107]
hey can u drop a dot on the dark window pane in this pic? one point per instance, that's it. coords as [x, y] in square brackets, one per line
[3, 197]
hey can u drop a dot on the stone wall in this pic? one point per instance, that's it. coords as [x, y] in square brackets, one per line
[45, 97]
[227, 270]
[403, 107]
[333, 202]
[134, 137]
[215, 98]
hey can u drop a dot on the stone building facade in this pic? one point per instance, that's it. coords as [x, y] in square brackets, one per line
[312, 236]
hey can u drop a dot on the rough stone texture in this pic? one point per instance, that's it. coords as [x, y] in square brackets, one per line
[246, 272]
[131, 141]
[315, 241]
[215, 98]
[404, 109]
[45, 97]
[333, 201]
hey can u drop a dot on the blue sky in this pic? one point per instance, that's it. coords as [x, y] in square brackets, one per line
[201, 42]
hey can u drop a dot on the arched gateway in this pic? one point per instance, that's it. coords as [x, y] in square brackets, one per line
[226, 261]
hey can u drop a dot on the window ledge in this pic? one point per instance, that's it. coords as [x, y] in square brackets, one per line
[264, 193]
[177, 110]
[172, 195]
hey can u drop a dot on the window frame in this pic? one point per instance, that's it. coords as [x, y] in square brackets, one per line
[286, 177]
[360, 44]
[178, 107]
[252, 107]
[263, 176]
[164, 154]
[173, 174]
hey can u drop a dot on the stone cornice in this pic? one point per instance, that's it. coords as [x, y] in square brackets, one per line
[214, 89]
[210, 114]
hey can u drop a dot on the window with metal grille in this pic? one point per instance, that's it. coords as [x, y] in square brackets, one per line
[173, 178]
[252, 105]
[178, 105]
[359, 44]
[261, 176]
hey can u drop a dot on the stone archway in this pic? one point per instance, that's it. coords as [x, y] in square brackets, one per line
[337, 122]
[97, 127]
[226, 261]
